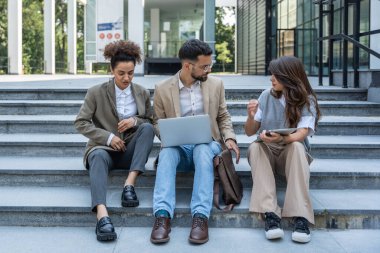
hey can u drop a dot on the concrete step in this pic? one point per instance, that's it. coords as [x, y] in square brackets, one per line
[70, 206]
[354, 147]
[236, 108]
[64, 124]
[328, 108]
[226, 240]
[323, 93]
[69, 171]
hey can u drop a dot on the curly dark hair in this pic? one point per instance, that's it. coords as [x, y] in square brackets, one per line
[123, 50]
[290, 72]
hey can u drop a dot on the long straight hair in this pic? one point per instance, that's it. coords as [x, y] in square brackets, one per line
[289, 71]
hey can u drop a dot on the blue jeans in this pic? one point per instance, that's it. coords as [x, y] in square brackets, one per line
[185, 158]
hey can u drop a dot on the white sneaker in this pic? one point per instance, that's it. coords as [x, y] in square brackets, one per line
[301, 232]
[273, 228]
[274, 233]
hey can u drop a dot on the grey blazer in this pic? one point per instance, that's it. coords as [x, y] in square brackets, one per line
[98, 118]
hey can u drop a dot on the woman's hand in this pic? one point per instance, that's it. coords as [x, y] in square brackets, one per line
[252, 107]
[118, 144]
[271, 137]
[125, 124]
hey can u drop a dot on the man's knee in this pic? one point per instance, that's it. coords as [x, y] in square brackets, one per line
[203, 150]
[169, 153]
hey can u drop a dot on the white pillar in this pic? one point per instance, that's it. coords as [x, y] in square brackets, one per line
[155, 31]
[15, 36]
[375, 39]
[209, 24]
[72, 36]
[136, 27]
[88, 67]
[49, 36]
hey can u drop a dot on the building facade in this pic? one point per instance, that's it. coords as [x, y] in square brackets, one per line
[160, 27]
[267, 29]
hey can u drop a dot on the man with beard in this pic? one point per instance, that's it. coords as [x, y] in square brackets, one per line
[190, 92]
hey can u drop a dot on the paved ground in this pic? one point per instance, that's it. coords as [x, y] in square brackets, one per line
[69, 239]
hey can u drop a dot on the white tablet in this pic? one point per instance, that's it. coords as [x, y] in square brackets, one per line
[284, 131]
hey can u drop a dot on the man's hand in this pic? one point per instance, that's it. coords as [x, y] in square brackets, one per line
[252, 107]
[231, 145]
[270, 137]
[118, 144]
[125, 124]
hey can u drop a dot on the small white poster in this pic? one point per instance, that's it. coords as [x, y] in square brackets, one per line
[109, 24]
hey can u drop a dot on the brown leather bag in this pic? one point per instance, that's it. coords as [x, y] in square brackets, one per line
[226, 176]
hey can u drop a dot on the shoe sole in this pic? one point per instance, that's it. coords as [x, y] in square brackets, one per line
[130, 203]
[301, 237]
[159, 240]
[274, 234]
[106, 237]
[197, 241]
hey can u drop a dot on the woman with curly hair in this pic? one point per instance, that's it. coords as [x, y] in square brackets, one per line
[116, 117]
[290, 103]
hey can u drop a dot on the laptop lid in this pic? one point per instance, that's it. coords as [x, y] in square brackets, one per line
[185, 130]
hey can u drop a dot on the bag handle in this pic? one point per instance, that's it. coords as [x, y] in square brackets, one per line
[229, 207]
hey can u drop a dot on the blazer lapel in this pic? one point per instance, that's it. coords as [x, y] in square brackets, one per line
[175, 98]
[111, 94]
[138, 99]
[206, 98]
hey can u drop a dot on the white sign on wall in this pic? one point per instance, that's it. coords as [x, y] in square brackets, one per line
[109, 24]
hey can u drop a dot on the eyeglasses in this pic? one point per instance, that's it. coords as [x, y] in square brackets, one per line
[205, 68]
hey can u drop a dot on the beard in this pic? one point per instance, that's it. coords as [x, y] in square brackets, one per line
[201, 78]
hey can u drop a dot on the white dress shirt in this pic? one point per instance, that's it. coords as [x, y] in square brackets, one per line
[190, 99]
[125, 105]
[305, 121]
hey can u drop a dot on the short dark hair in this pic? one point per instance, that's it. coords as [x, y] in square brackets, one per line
[191, 49]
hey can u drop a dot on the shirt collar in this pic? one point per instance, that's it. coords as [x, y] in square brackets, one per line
[181, 85]
[119, 91]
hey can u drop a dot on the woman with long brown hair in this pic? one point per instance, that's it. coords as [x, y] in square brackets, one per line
[290, 103]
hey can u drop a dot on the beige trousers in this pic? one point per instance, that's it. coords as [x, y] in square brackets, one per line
[291, 161]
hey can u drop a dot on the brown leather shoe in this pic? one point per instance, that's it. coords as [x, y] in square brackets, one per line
[199, 231]
[160, 230]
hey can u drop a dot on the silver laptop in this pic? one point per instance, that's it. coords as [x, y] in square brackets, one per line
[185, 130]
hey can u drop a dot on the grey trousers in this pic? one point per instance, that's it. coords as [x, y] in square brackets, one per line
[100, 161]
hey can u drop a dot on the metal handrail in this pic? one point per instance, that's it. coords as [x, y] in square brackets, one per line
[354, 39]
[355, 42]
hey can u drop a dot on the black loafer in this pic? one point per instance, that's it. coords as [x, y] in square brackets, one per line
[129, 197]
[105, 230]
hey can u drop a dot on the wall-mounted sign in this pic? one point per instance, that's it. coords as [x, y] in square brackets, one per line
[109, 24]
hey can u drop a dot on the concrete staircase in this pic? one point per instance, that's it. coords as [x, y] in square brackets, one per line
[43, 182]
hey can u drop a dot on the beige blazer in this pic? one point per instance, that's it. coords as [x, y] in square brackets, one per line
[166, 104]
[98, 118]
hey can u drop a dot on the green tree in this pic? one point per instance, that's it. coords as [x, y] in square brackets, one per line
[224, 55]
[61, 36]
[32, 36]
[3, 36]
[225, 32]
